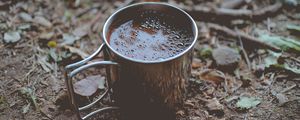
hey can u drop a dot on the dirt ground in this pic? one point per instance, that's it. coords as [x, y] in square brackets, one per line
[40, 37]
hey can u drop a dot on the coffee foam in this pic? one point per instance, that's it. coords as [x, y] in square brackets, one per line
[151, 36]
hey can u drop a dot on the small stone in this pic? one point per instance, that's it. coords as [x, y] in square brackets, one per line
[226, 58]
[12, 37]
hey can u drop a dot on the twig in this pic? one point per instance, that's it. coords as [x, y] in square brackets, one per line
[244, 52]
[288, 88]
[226, 84]
[243, 36]
[201, 12]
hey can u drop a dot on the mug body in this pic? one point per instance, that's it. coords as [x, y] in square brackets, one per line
[149, 90]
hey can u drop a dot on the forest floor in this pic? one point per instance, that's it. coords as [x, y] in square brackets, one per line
[258, 80]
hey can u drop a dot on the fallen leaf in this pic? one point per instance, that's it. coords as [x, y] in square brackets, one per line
[89, 85]
[24, 26]
[196, 63]
[12, 37]
[293, 27]
[272, 58]
[212, 75]
[82, 30]
[25, 16]
[46, 35]
[77, 51]
[69, 39]
[247, 102]
[285, 44]
[42, 21]
[272, 61]
[44, 64]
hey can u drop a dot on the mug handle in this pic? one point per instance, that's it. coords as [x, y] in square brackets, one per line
[75, 68]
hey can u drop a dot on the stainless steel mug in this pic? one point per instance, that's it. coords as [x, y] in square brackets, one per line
[143, 90]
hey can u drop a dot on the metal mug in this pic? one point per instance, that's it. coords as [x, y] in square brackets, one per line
[134, 82]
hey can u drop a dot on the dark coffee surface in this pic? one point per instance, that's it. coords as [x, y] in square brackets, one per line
[150, 36]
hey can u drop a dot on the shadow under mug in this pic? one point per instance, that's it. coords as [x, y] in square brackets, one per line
[142, 90]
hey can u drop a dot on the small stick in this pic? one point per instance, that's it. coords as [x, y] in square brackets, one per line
[244, 51]
[288, 88]
[243, 36]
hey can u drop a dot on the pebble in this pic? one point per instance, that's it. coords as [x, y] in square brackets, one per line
[226, 58]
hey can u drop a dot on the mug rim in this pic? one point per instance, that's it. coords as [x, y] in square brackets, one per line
[109, 20]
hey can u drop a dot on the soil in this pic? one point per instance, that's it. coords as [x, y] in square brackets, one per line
[32, 84]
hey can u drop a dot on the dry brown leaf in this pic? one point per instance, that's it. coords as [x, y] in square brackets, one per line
[212, 75]
[77, 51]
[196, 63]
[89, 85]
